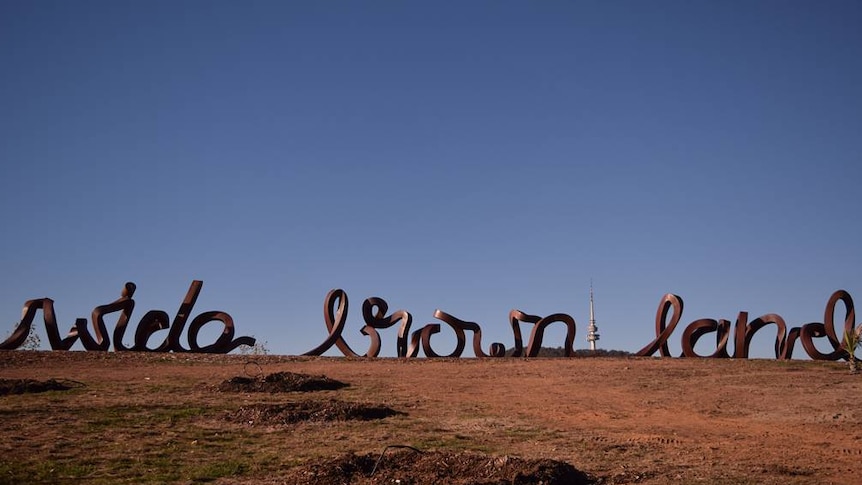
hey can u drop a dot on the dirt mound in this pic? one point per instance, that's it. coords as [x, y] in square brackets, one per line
[290, 413]
[25, 386]
[414, 468]
[281, 382]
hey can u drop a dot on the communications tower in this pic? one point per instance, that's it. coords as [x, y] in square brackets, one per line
[592, 336]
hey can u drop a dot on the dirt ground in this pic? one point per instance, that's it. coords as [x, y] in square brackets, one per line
[161, 418]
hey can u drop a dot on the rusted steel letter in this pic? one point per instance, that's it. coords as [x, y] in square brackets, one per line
[810, 331]
[28, 314]
[663, 330]
[698, 328]
[745, 332]
[374, 313]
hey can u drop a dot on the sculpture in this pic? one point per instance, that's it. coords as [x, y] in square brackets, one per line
[374, 309]
[152, 322]
[743, 332]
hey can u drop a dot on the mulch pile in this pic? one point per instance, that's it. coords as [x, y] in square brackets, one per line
[450, 468]
[290, 413]
[24, 386]
[281, 382]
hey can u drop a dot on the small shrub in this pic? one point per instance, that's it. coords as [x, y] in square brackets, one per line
[851, 343]
[32, 342]
[259, 348]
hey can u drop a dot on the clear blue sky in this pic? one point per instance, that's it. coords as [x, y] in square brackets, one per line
[468, 156]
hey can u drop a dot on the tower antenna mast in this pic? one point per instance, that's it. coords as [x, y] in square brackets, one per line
[592, 336]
